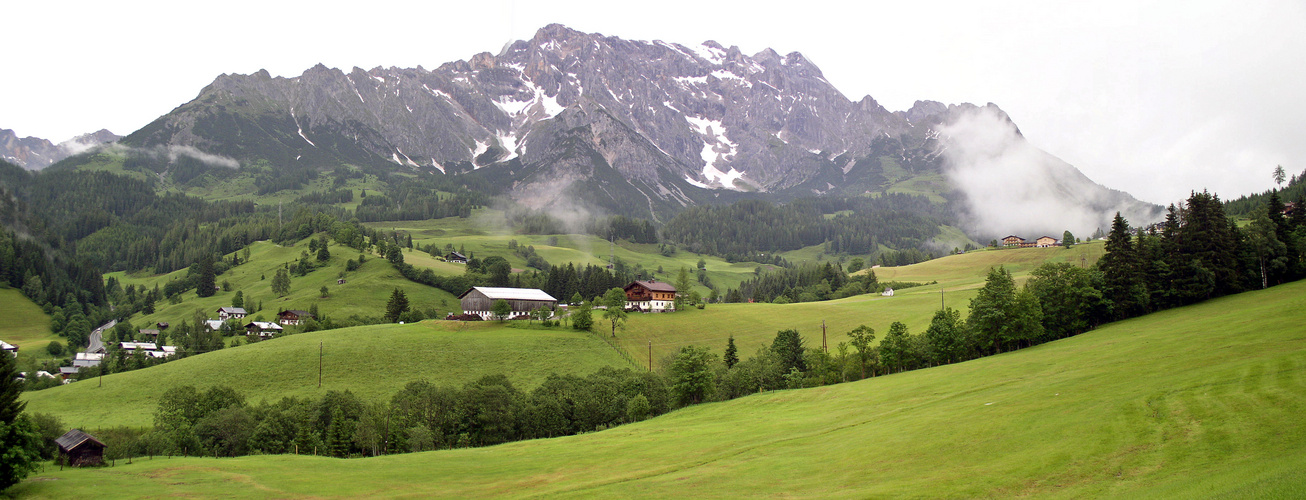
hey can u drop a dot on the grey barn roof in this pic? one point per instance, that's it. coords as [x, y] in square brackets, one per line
[74, 438]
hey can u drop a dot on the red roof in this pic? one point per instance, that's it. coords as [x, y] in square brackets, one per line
[654, 285]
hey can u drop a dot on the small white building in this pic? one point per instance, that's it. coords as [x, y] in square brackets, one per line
[888, 292]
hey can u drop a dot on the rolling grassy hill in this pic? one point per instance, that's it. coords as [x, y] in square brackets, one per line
[25, 325]
[1198, 401]
[373, 362]
[365, 292]
[754, 325]
[486, 234]
[389, 346]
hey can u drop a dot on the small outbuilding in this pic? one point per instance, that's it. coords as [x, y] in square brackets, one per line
[79, 449]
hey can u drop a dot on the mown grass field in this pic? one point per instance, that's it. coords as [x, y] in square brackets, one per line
[364, 293]
[373, 362]
[1202, 401]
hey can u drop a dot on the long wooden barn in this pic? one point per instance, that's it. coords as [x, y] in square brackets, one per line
[480, 299]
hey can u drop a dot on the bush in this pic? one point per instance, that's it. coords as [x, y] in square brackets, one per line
[54, 348]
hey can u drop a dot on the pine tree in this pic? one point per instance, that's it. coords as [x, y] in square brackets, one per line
[1119, 267]
[732, 353]
[207, 279]
[396, 306]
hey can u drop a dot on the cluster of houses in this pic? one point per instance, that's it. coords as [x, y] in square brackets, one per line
[1040, 242]
[642, 296]
[260, 329]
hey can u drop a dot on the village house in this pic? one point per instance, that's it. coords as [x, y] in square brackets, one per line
[9, 348]
[226, 313]
[213, 325]
[888, 292]
[149, 333]
[262, 329]
[293, 317]
[651, 296]
[1045, 241]
[480, 299]
[85, 360]
[79, 449]
[131, 347]
[1012, 241]
[163, 351]
[455, 258]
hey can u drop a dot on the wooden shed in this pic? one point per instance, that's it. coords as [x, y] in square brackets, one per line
[480, 299]
[79, 449]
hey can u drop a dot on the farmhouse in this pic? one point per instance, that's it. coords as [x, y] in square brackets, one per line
[1045, 241]
[293, 316]
[226, 313]
[9, 348]
[1012, 241]
[263, 330]
[149, 332]
[480, 299]
[79, 449]
[651, 296]
[456, 258]
[131, 347]
[211, 325]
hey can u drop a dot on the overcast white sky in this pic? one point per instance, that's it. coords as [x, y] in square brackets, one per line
[1154, 98]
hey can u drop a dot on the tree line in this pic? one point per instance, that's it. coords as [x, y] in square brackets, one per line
[860, 225]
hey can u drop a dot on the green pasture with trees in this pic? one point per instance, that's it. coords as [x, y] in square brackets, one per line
[1140, 408]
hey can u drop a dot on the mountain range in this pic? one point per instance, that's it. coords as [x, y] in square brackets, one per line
[35, 153]
[570, 121]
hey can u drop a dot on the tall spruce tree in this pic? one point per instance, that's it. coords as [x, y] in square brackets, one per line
[207, 279]
[1122, 283]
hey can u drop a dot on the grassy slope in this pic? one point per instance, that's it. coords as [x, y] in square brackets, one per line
[24, 325]
[753, 325]
[373, 362]
[365, 292]
[1198, 401]
[485, 234]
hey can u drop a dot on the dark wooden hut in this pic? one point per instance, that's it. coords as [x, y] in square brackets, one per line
[79, 449]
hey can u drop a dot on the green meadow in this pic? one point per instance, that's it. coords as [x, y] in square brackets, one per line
[25, 325]
[364, 293]
[373, 362]
[1200, 401]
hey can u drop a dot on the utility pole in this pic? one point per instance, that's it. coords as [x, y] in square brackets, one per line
[824, 345]
[650, 356]
[941, 305]
[319, 365]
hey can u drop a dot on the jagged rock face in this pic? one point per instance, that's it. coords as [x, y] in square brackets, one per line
[35, 153]
[569, 112]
